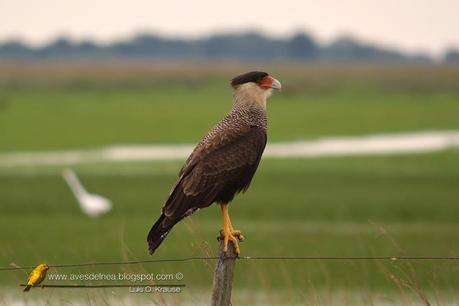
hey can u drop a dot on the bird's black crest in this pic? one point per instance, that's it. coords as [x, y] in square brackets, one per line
[252, 76]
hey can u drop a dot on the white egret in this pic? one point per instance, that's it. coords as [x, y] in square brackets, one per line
[91, 204]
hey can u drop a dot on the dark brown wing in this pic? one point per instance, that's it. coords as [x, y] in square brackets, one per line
[217, 169]
[215, 173]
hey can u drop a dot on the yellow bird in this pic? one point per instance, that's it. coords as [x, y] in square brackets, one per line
[36, 276]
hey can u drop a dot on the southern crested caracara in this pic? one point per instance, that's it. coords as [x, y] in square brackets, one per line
[224, 162]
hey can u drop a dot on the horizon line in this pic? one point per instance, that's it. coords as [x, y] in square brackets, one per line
[78, 39]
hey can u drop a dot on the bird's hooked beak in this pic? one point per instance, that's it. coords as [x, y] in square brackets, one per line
[270, 82]
[276, 84]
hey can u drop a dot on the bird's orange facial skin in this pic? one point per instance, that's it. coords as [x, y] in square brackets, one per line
[266, 82]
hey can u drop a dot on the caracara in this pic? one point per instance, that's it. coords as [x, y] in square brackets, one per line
[223, 163]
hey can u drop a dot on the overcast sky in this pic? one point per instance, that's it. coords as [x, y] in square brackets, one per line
[414, 25]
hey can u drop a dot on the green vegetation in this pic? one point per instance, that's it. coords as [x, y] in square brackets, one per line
[354, 206]
[69, 119]
[379, 206]
[71, 112]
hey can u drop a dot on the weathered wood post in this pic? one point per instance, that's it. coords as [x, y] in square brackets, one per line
[223, 276]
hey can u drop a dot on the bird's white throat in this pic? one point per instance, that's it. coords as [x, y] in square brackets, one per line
[251, 94]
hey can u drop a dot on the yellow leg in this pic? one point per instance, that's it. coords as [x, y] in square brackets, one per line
[228, 233]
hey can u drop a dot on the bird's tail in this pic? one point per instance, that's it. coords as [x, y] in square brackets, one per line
[27, 288]
[159, 231]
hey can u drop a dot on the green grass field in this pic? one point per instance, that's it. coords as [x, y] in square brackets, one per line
[84, 111]
[405, 205]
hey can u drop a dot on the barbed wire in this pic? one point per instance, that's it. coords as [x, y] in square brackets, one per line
[305, 258]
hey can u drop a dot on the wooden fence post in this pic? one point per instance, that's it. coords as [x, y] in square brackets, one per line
[223, 276]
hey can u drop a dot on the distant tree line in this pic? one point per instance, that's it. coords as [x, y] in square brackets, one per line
[233, 46]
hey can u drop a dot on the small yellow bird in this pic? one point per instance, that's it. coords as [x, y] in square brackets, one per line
[36, 276]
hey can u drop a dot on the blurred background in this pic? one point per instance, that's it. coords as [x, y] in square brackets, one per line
[367, 126]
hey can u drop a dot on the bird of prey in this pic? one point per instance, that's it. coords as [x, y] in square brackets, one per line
[93, 205]
[224, 162]
[37, 275]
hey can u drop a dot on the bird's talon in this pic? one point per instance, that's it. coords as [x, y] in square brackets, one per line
[231, 236]
[237, 234]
